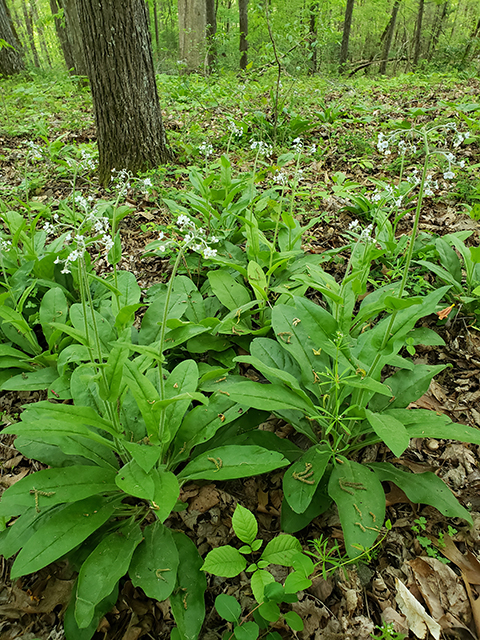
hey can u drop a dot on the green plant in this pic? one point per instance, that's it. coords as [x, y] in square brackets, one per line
[387, 632]
[427, 543]
[228, 562]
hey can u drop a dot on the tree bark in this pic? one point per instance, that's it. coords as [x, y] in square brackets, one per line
[211, 30]
[41, 32]
[347, 25]
[243, 23]
[418, 33]
[31, 38]
[312, 34]
[11, 61]
[63, 36]
[437, 30]
[472, 42]
[74, 34]
[118, 54]
[389, 37]
[192, 23]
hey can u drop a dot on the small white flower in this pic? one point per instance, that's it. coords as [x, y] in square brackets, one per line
[312, 149]
[280, 177]
[206, 149]
[161, 248]
[214, 239]
[297, 145]
[461, 164]
[161, 235]
[367, 232]
[209, 253]
[182, 220]
[448, 175]
[188, 237]
[354, 224]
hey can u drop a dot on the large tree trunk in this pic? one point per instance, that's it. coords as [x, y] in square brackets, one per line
[389, 37]
[243, 23]
[418, 32]
[192, 22]
[347, 25]
[63, 37]
[11, 61]
[118, 54]
[74, 34]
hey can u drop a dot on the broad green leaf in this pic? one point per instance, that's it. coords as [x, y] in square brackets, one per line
[146, 456]
[146, 396]
[247, 631]
[71, 414]
[64, 531]
[406, 387]
[183, 379]
[297, 581]
[281, 550]
[228, 463]
[301, 480]
[225, 562]
[102, 570]
[270, 611]
[273, 355]
[230, 293]
[449, 259]
[56, 428]
[155, 562]
[187, 601]
[271, 397]
[52, 308]
[115, 254]
[31, 380]
[228, 607]
[425, 336]
[129, 288]
[244, 524]
[117, 358]
[102, 326]
[150, 329]
[54, 486]
[292, 522]
[359, 496]
[392, 303]
[195, 311]
[257, 280]
[424, 488]
[258, 582]
[390, 430]
[70, 626]
[158, 486]
[293, 620]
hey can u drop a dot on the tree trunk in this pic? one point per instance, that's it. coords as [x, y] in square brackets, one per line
[437, 30]
[31, 38]
[62, 36]
[347, 25]
[10, 58]
[211, 30]
[192, 22]
[389, 37]
[243, 23]
[41, 32]
[74, 34]
[471, 42]
[313, 35]
[418, 33]
[155, 22]
[118, 54]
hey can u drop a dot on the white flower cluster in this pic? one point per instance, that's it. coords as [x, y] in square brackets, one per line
[147, 184]
[74, 255]
[261, 147]
[194, 238]
[35, 152]
[280, 177]
[234, 130]
[206, 149]
[5, 245]
[365, 234]
[430, 185]
[121, 178]
[383, 144]
[297, 145]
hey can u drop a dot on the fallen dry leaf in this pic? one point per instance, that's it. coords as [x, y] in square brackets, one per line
[418, 619]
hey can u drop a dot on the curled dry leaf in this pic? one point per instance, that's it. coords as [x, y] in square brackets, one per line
[417, 618]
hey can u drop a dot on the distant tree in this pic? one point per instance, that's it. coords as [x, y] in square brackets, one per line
[27, 15]
[418, 33]
[210, 33]
[74, 34]
[11, 61]
[439, 21]
[118, 55]
[243, 23]
[313, 33]
[41, 33]
[347, 26]
[388, 36]
[62, 35]
[192, 23]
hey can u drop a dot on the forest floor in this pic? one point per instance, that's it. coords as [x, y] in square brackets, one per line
[346, 604]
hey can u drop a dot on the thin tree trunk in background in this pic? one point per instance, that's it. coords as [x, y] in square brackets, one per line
[227, 23]
[41, 32]
[418, 33]
[31, 39]
[155, 23]
[72, 25]
[313, 34]
[347, 25]
[11, 61]
[437, 30]
[210, 32]
[243, 24]
[192, 24]
[471, 42]
[389, 37]
[62, 37]
[130, 130]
